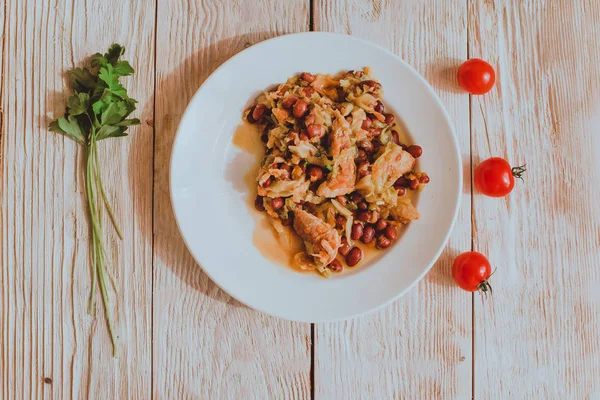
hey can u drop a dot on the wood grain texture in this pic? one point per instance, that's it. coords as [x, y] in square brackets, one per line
[45, 329]
[538, 337]
[207, 345]
[420, 346]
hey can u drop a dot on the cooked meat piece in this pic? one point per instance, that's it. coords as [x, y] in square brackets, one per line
[281, 115]
[404, 211]
[343, 177]
[326, 85]
[340, 135]
[321, 239]
[391, 165]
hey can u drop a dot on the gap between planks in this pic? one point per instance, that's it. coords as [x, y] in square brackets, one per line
[152, 206]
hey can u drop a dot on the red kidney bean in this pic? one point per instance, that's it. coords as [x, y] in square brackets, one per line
[277, 203]
[414, 184]
[315, 130]
[308, 77]
[356, 197]
[379, 107]
[340, 221]
[415, 151]
[300, 108]
[390, 232]
[258, 203]
[395, 137]
[424, 179]
[285, 167]
[345, 247]
[380, 225]
[249, 117]
[363, 205]
[368, 234]
[357, 231]
[288, 102]
[336, 266]
[401, 190]
[310, 119]
[264, 138]
[363, 169]
[364, 216]
[389, 119]
[354, 256]
[303, 136]
[367, 123]
[402, 182]
[382, 242]
[258, 111]
[315, 173]
[370, 83]
[267, 183]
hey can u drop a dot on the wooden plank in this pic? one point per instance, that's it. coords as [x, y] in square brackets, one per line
[538, 337]
[45, 329]
[206, 345]
[3, 305]
[420, 346]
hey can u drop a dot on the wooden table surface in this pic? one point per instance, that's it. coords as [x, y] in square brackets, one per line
[181, 336]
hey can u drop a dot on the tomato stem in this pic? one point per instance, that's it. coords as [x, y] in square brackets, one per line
[518, 171]
[485, 287]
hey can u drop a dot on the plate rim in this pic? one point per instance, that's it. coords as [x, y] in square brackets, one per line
[427, 87]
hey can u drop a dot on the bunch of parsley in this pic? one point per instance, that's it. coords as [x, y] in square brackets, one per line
[97, 110]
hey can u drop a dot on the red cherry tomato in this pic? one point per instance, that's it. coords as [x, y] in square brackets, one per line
[471, 271]
[476, 76]
[494, 177]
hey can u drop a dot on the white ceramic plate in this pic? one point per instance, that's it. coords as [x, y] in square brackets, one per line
[210, 197]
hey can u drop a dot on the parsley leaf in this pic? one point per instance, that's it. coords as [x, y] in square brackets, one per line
[123, 68]
[109, 131]
[111, 78]
[78, 103]
[114, 53]
[114, 113]
[128, 122]
[68, 126]
[83, 80]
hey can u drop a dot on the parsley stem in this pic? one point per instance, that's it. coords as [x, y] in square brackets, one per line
[106, 202]
[90, 197]
[99, 256]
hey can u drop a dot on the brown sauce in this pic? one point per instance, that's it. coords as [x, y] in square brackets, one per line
[279, 249]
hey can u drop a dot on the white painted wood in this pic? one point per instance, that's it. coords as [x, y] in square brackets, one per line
[207, 345]
[420, 346]
[539, 336]
[45, 330]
